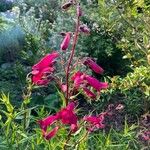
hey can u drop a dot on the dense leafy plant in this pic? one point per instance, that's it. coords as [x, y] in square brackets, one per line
[120, 42]
[6, 5]
[120, 31]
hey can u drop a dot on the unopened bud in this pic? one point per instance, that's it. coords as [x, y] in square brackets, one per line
[84, 28]
[79, 11]
[66, 41]
[67, 5]
[62, 33]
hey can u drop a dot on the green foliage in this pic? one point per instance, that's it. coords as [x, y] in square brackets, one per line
[132, 90]
[36, 18]
[13, 135]
[46, 10]
[139, 78]
[119, 31]
[2, 24]
[123, 140]
[5, 5]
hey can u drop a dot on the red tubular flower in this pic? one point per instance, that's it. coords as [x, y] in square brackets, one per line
[78, 78]
[83, 81]
[40, 77]
[77, 74]
[43, 68]
[51, 134]
[47, 121]
[46, 61]
[93, 65]
[95, 83]
[94, 122]
[89, 93]
[65, 43]
[66, 116]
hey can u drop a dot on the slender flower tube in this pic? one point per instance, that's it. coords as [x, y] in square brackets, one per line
[89, 93]
[65, 43]
[46, 61]
[79, 11]
[47, 122]
[84, 81]
[40, 78]
[93, 65]
[95, 83]
[50, 134]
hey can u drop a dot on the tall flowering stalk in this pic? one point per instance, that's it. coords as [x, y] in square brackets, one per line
[75, 82]
[72, 53]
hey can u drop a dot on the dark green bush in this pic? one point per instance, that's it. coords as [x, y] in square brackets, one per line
[5, 5]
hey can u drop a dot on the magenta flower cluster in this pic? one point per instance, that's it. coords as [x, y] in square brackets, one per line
[66, 116]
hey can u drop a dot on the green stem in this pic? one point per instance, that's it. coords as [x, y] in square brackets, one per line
[80, 140]
[26, 100]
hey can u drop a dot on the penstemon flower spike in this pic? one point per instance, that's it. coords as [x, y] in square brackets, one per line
[76, 82]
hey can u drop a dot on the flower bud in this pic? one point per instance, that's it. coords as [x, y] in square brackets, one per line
[93, 65]
[63, 34]
[64, 87]
[79, 11]
[67, 5]
[66, 41]
[83, 28]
